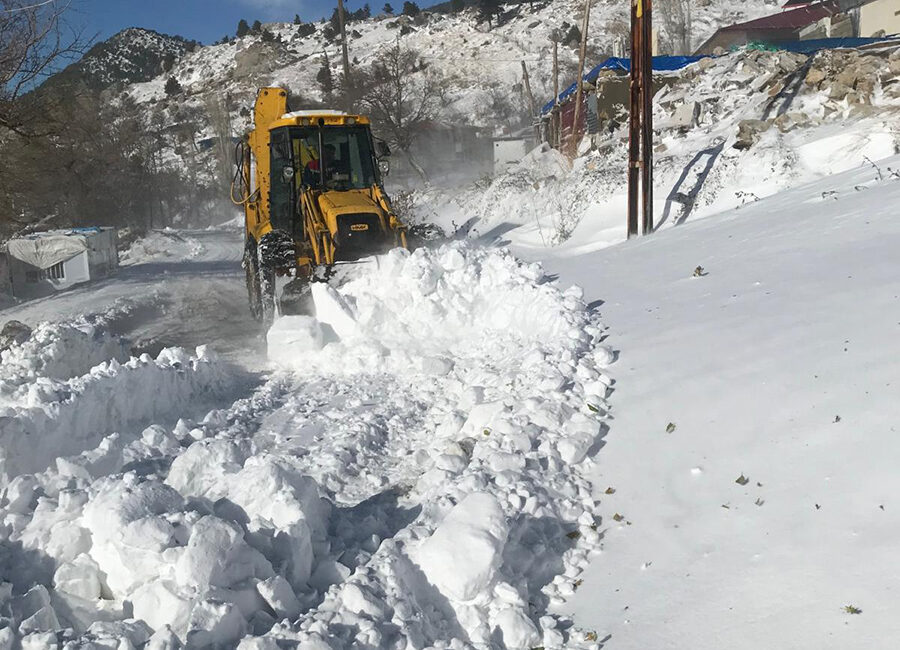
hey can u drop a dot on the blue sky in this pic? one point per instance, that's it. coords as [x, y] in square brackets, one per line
[203, 20]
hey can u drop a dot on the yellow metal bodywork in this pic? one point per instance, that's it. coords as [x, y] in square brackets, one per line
[320, 209]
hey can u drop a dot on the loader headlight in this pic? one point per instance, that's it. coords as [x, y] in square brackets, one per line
[385, 166]
[304, 121]
[351, 120]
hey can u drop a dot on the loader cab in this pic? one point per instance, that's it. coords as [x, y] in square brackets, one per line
[315, 154]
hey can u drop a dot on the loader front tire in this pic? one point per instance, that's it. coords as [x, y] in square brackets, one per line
[260, 276]
[251, 273]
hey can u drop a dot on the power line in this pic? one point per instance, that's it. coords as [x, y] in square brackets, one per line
[26, 8]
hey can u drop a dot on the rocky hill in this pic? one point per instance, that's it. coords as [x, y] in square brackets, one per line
[132, 56]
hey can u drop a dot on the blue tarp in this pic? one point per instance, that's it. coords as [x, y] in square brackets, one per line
[660, 64]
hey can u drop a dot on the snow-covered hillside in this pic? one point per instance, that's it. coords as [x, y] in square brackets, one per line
[477, 62]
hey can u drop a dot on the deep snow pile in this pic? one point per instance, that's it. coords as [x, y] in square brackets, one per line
[415, 481]
[732, 130]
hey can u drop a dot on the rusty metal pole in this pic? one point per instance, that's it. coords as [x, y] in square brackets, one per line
[634, 119]
[647, 116]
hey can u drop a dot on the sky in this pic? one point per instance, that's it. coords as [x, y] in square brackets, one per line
[203, 20]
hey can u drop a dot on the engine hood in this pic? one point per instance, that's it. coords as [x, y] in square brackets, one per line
[349, 202]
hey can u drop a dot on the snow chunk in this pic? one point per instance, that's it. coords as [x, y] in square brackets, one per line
[293, 335]
[462, 556]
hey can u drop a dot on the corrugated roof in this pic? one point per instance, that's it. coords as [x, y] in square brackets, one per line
[790, 19]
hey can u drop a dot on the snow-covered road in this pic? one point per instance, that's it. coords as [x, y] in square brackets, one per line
[408, 473]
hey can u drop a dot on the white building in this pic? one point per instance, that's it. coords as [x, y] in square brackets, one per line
[51, 261]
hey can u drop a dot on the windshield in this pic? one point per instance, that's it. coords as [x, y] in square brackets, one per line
[346, 157]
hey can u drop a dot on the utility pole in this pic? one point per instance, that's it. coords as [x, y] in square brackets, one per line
[554, 114]
[640, 133]
[573, 136]
[348, 84]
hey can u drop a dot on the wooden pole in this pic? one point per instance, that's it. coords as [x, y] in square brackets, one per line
[528, 91]
[345, 57]
[647, 118]
[573, 136]
[554, 115]
[634, 120]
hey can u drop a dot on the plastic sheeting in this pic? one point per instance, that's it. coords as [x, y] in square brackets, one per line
[660, 64]
[47, 250]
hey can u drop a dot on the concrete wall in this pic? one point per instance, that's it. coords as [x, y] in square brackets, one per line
[5, 281]
[879, 16]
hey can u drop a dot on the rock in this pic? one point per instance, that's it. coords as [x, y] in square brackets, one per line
[686, 115]
[13, 333]
[866, 87]
[838, 91]
[847, 77]
[749, 132]
[814, 77]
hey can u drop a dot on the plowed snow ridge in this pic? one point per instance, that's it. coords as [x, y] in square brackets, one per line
[410, 477]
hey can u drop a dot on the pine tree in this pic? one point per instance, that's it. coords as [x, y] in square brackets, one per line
[324, 77]
[410, 9]
[388, 9]
[457, 5]
[242, 29]
[487, 10]
[257, 27]
[173, 87]
[297, 20]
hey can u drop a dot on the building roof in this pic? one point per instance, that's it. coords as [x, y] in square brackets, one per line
[790, 19]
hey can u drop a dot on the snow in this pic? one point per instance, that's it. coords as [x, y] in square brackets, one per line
[455, 451]
[463, 554]
[427, 427]
[779, 365]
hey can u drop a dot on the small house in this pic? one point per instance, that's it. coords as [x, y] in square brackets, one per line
[44, 262]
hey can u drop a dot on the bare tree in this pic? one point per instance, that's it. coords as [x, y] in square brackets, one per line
[401, 95]
[677, 22]
[34, 42]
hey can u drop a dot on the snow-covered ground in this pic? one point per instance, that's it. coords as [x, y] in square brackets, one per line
[753, 451]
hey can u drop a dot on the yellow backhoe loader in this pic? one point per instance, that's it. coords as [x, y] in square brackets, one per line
[310, 183]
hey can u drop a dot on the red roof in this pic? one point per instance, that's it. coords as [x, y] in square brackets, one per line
[791, 19]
